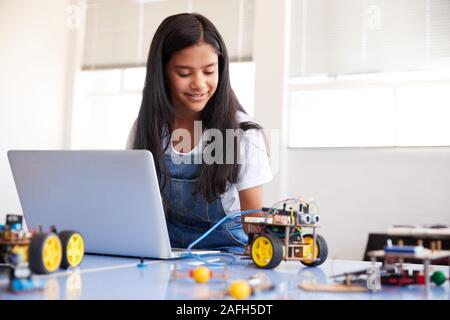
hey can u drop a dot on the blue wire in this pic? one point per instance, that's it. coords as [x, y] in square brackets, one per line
[190, 254]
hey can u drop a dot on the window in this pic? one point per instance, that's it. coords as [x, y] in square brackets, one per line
[367, 73]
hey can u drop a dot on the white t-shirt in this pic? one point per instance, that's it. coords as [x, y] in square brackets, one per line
[255, 168]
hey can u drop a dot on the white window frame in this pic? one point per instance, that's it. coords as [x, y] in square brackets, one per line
[395, 81]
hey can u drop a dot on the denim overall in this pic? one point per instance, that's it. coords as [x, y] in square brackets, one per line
[189, 216]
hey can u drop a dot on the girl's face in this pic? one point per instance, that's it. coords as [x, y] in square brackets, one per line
[192, 74]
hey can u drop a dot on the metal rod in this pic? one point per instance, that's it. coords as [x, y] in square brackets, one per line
[287, 240]
[314, 242]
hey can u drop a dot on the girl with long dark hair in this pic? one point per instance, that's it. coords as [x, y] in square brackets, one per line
[187, 113]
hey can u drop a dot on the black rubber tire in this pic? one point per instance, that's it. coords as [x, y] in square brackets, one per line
[65, 236]
[35, 253]
[322, 246]
[277, 248]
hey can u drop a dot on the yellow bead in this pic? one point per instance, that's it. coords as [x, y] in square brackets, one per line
[240, 289]
[201, 274]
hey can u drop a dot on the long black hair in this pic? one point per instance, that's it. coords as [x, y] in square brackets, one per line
[157, 112]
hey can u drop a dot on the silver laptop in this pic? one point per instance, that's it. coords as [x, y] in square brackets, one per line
[111, 197]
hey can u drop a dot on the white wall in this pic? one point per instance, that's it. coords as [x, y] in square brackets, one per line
[33, 83]
[358, 190]
[270, 58]
[363, 190]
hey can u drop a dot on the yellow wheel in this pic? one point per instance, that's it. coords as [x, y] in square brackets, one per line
[321, 251]
[45, 253]
[267, 251]
[73, 248]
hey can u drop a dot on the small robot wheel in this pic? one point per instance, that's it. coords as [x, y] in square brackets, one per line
[45, 253]
[267, 251]
[73, 248]
[321, 251]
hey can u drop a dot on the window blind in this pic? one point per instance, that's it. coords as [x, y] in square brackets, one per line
[119, 32]
[336, 37]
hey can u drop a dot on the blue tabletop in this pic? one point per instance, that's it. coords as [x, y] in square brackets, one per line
[103, 277]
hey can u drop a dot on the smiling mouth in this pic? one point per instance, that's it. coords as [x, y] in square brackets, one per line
[196, 95]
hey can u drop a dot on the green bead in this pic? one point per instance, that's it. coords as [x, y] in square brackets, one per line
[438, 277]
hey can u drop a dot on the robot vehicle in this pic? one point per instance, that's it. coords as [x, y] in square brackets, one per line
[280, 234]
[36, 252]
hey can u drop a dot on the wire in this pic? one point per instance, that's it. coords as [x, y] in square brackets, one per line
[286, 202]
[231, 216]
[230, 256]
[190, 254]
[309, 203]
